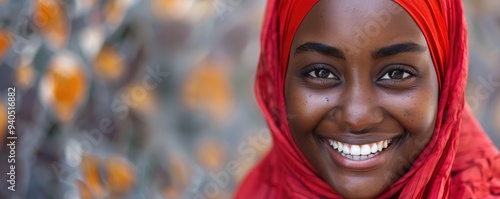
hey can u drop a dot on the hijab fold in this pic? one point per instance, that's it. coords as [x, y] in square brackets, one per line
[451, 166]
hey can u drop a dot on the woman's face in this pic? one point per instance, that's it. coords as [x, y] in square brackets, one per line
[362, 92]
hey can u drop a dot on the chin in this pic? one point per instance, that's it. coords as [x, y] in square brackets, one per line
[359, 187]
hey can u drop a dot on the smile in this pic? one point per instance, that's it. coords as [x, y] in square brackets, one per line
[360, 152]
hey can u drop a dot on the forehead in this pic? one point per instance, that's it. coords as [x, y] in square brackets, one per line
[345, 23]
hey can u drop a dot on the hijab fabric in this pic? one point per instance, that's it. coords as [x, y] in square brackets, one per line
[451, 166]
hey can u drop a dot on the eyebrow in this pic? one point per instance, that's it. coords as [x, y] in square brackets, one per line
[320, 48]
[397, 49]
[380, 53]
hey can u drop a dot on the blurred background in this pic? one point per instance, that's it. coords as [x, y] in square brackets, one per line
[154, 99]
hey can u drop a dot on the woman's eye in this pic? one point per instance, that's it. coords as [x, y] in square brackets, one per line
[322, 73]
[396, 74]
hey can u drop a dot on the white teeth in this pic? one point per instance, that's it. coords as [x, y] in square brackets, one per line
[365, 150]
[333, 144]
[380, 145]
[373, 149]
[346, 149]
[355, 150]
[359, 152]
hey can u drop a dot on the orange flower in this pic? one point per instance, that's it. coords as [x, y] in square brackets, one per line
[168, 8]
[208, 89]
[211, 154]
[120, 176]
[170, 192]
[192, 11]
[116, 11]
[64, 86]
[50, 17]
[91, 176]
[25, 76]
[4, 42]
[3, 120]
[84, 190]
[109, 64]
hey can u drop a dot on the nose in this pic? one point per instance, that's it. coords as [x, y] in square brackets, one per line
[357, 110]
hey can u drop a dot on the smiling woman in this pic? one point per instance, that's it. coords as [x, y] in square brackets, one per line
[374, 94]
[383, 97]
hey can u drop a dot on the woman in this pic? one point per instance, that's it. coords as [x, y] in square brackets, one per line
[365, 99]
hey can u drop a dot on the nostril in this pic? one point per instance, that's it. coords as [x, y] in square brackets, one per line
[357, 118]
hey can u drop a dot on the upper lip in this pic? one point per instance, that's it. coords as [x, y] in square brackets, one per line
[359, 140]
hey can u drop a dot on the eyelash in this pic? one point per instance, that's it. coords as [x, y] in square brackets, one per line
[397, 68]
[307, 73]
[318, 67]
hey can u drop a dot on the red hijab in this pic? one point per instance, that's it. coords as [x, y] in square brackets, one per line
[460, 160]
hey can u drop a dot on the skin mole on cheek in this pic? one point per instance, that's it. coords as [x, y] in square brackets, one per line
[327, 100]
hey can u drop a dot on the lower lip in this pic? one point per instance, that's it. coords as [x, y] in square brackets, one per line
[361, 165]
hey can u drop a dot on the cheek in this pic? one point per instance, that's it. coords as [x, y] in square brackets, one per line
[415, 110]
[423, 108]
[306, 108]
[423, 115]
